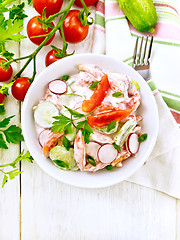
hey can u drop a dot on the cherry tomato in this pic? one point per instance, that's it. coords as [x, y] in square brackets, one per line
[87, 2]
[20, 87]
[98, 95]
[74, 31]
[5, 75]
[2, 96]
[104, 119]
[52, 6]
[35, 28]
[51, 58]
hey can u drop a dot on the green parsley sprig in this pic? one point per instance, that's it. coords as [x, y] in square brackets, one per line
[63, 123]
[15, 172]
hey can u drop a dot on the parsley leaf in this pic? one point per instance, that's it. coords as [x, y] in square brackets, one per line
[86, 132]
[10, 30]
[61, 164]
[116, 146]
[5, 88]
[91, 160]
[12, 174]
[143, 137]
[2, 142]
[117, 94]
[109, 167]
[17, 12]
[2, 110]
[111, 126]
[62, 122]
[13, 134]
[5, 121]
[65, 77]
[74, 113]
[94, 85]
[66, 143]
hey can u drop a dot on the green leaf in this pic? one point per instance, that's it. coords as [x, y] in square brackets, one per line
[61, 164]
[86, 132]
[65, 77]
[117, 94]
[5, 179]
[80, 124]
[2, 109]
[74, 113]
[5, 88]
[13, 134]
[143, 137]
[94, 85]
[111, 126]
[11, 30]
[66, 143]
[27, 156]
[2, 142]
[109, 167]
[91, 160]
[5, 121]
[17, 12]
[116, 146]
[14, 173]
[61, 123]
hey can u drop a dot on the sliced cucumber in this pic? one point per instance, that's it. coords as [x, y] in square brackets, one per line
[44, 113]
[62, 158]
[72, 134]
[123, 133]
[104, 129]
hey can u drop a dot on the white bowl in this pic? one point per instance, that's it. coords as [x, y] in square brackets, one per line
[102, 178]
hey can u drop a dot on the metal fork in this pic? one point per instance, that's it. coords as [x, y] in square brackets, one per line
[142, 57]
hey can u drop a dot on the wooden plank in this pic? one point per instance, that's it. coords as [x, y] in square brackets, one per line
[9, 195]
[52, 210]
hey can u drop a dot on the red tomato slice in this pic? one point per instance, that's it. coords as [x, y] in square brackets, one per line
[104, 119]
[98, 95]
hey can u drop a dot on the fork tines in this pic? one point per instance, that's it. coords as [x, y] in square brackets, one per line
[141, 57]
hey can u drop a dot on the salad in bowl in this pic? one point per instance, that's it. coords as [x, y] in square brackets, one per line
[88, 114]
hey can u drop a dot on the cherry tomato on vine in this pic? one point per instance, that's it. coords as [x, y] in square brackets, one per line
[52, 6]
[5, 75]
[2, 96]
[20, 88]
[35, 28]
[51, 58]
[87, 2]
[74, 31]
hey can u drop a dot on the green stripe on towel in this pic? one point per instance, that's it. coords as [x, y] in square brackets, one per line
[174, 104]
[99, 20]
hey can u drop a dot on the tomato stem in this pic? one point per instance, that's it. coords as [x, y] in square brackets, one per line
[49, 35]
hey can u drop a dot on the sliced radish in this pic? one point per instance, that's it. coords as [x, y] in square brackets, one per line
[132, 143]
[107, 153]
[92, 149]
[43, 136]
[58, 86]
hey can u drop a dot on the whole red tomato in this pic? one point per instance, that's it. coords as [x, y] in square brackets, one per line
[5, 75]
[52, 6]
[51, 58]
[2, 96]
[74, 31]
[87, 2]
[20, 87]
[35, 28]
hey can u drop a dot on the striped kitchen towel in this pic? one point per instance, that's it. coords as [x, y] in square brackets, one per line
[161, 172]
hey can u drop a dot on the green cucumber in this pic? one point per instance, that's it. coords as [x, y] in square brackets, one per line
[44, 113]
[123, 133]
[62, 158]
[141, 13]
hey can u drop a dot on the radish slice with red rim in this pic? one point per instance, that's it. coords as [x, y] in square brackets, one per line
[132, 143]
[58, 87]
[43, 136]
[92, 149]
[107, 153]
